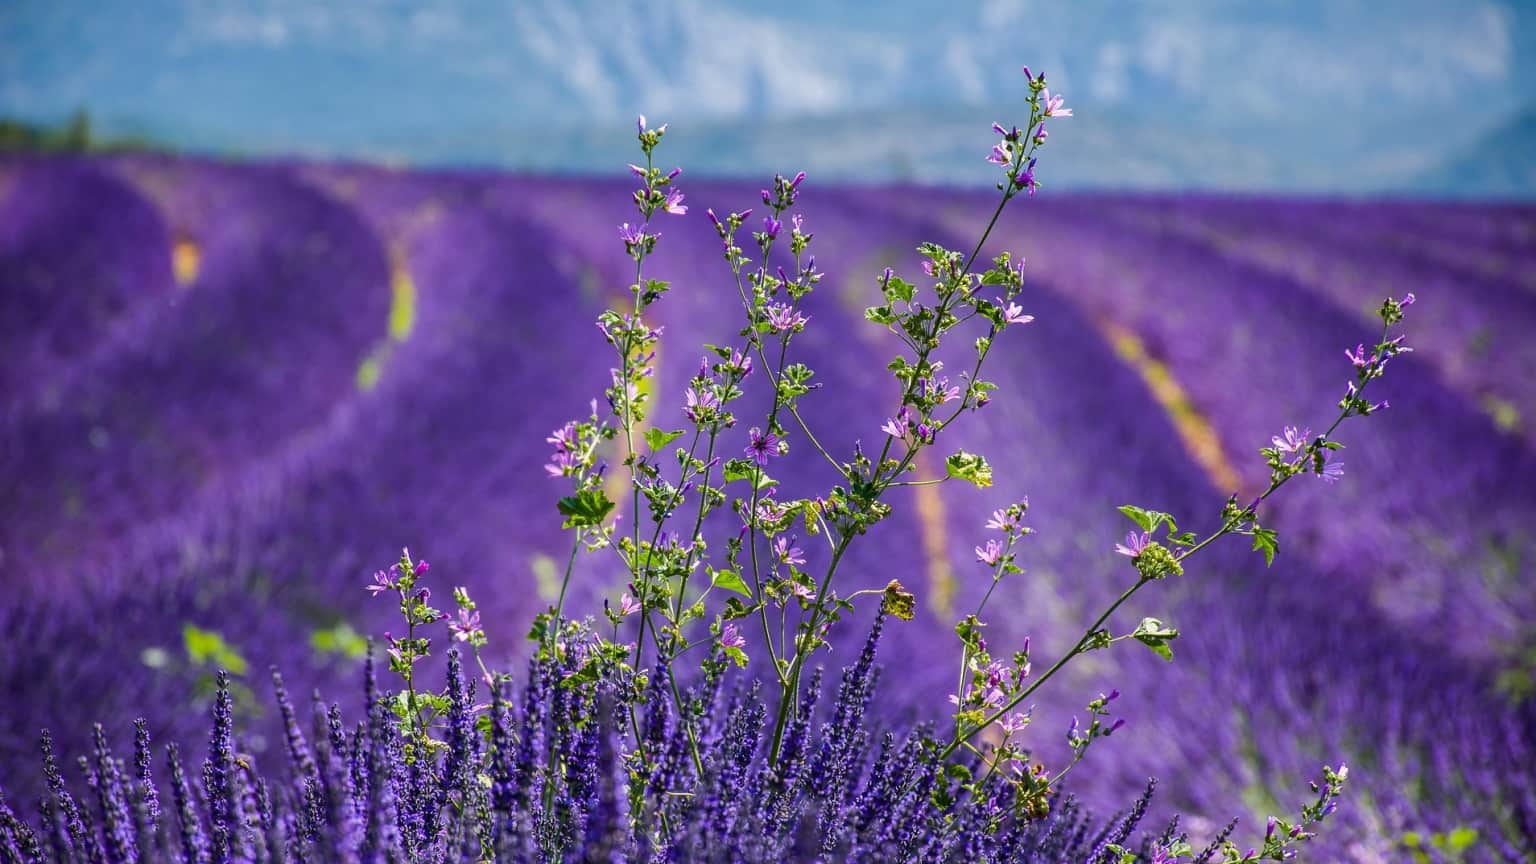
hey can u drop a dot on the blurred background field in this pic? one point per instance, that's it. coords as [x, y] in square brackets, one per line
[284, 287]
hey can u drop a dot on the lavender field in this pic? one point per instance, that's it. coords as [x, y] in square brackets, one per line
[230, 392]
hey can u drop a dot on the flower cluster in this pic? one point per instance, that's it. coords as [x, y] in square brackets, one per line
[846, 789]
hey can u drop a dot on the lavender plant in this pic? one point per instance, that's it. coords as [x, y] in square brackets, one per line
[637, 738]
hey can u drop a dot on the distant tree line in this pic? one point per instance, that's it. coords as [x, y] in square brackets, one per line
[74, 135]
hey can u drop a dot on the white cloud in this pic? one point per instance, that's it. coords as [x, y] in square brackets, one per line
[1109, 82]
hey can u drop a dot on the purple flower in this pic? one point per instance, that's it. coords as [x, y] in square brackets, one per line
[1026, 178]
[896, 427]
[762, 446]
[1407, 299]
[674, 203]
[939, 388]
[1135, 543]
[466, 626]
[783, 317]
[1332, 468]
[633, 236]
[730, 637]
[990, 554]
[1053, 106]
[1358, 357]
[699, 403]
[1293, 441]
[1000, 155]
[771, 226]
[801, 590]
[1002, 521]
[1013, 313]
[564, 459]
[383, 580]
[786, 553]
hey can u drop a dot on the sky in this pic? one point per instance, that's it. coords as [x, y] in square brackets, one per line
[1310, 96]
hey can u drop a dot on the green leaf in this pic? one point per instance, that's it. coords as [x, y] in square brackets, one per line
[970, 467]
[736, 609]
[879, 315]
[659, 438]
[1267, 541]
[1156, 635]
[739, 469]
[730, 580]
[585, 509]
[589, 672]
[900, 289]
[1148, 519]
[738, 656]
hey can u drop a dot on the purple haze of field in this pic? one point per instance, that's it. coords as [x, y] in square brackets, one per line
[292, 531]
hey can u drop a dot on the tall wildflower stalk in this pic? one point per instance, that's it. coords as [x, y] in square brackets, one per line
[635, 740]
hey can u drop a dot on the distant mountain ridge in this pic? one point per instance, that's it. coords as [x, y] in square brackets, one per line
[1501, 163]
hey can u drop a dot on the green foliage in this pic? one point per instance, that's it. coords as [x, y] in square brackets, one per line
[1156, 635]
[586, 509]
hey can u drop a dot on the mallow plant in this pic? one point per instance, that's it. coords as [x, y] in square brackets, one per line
[690, 720]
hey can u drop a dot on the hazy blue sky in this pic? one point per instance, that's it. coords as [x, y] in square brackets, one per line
[1311, 95]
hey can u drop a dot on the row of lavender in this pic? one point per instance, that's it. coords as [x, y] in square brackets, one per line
[218, 453]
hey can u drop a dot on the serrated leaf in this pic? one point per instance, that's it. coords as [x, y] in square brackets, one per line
[659, 438]
[1267, 541]
[585, 509]
[970, 467]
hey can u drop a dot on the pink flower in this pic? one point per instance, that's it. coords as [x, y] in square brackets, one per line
[990, 554]
[1293, 442]
[465, 628]
[382, 581]
[1135, 543]
[1003, 520]
[784, 317]
[628, 605]
[674, 203]
[699, 403]
[1013, 313]
[1053, 106]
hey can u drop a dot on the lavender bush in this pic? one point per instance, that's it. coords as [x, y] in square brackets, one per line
[634, 737]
